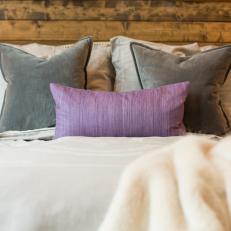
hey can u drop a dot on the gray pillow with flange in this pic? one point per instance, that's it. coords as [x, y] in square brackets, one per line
[100, 71]
[206, 71]
[28, 103]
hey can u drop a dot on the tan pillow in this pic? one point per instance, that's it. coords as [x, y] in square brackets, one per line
[100, 71]
[225, 91]
[126, 75]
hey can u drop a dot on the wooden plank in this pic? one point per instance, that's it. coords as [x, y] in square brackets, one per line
[120, 10]
[56, 43]
[104, 30]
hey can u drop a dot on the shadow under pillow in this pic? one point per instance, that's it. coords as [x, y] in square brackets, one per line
[28, 103]
[206, 71]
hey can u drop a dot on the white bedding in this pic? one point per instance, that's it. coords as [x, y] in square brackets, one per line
[65, 184]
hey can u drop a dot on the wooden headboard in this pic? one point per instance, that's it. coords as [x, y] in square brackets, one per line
[65, 21]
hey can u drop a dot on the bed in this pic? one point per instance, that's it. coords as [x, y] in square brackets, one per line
[69, 183]
[64, 184]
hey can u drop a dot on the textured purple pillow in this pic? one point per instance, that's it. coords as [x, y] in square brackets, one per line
[152, 112]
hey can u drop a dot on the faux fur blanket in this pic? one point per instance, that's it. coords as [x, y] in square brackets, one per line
[184, 187]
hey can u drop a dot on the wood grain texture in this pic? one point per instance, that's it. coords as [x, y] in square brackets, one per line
[185, 11]
[64, 21]
[104, 30]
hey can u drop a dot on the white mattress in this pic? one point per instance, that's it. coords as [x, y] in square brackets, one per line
[65, 184]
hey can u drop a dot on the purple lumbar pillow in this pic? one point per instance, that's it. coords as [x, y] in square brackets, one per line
[152, 112]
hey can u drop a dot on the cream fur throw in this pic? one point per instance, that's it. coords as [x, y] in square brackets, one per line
[184, 187]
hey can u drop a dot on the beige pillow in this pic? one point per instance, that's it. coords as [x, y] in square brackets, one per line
[126, 75]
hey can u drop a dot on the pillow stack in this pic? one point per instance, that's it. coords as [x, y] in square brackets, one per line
[149, 65]
[126, 75]
[158, 89]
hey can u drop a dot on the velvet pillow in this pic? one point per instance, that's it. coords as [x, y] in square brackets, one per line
[155, 112]
[126, 76]
[206, 71]
[28, 103]
[225, 91]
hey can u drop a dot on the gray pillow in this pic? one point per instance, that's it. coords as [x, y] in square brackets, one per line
[100, 71]
[225, 91]
[126, 76]
[207, 72]
[28, 103]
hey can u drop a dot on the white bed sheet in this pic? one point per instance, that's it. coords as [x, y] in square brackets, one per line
[65, 184]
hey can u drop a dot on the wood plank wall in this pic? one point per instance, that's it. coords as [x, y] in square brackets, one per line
[65, 21]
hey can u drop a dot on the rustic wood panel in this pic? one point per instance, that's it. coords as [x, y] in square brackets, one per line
[64, 21]
[183, 11]
[104, 30]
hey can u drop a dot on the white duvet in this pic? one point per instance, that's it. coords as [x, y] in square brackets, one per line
[65, 184]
